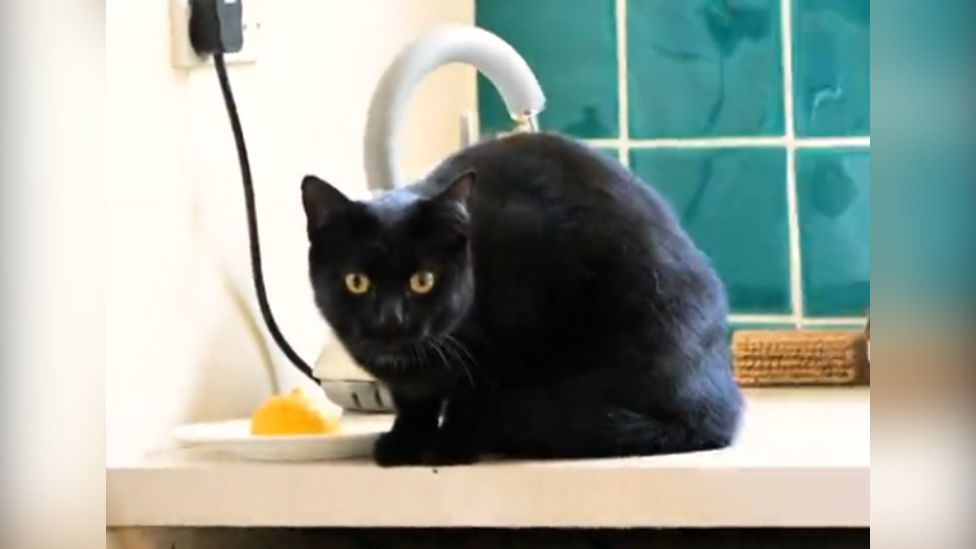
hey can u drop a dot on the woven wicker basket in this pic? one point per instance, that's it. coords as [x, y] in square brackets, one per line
[799, 357]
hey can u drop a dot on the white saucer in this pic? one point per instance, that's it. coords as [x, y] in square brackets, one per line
[355, 439]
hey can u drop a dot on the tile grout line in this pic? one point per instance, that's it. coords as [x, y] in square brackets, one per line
[858, 320]
[789, 141]
[830, 142]
[623, 108]
[759, 318]
[789, 319]
[793, 228]
[792, 206]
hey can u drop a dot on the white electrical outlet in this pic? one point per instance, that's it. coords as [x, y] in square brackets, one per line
[181, 51]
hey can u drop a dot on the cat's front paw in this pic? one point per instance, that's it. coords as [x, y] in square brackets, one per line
[393, 449]
[450, 451]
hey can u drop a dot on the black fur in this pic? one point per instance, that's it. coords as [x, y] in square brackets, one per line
[571, 315]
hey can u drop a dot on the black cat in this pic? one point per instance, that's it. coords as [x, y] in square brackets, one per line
[553, 308]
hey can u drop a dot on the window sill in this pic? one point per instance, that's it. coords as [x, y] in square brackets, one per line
[802, 460]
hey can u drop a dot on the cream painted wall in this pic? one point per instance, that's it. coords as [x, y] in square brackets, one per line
[181, 342]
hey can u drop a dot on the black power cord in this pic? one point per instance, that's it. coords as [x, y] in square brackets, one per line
[257, 272]
[216, 27]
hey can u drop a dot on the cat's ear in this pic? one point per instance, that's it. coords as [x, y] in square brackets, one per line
[320, 201]
[459, 189]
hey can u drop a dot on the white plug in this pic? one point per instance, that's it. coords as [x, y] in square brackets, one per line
[182, 55]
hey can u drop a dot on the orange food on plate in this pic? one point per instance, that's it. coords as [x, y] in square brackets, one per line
[291, 414]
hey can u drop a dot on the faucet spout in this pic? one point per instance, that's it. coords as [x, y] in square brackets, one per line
[488, 53]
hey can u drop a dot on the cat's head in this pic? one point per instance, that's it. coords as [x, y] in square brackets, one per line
[389, 274]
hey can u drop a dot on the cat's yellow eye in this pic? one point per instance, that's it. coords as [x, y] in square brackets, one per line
[357, 283]
[422, 282]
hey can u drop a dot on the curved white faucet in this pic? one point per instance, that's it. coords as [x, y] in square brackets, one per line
[491, 55]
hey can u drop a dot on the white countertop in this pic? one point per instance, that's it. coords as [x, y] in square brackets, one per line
[801, 460]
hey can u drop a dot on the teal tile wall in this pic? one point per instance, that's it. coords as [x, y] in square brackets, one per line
[727, 52]
[834, 203]
[742, 228]
[832, 55]
[769, 170]
[571, 46]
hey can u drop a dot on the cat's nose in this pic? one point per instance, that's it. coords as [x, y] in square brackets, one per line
[390, 316]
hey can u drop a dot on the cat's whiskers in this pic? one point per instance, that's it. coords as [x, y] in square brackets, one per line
[435, 345]
[460, 346]
[454, 348]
